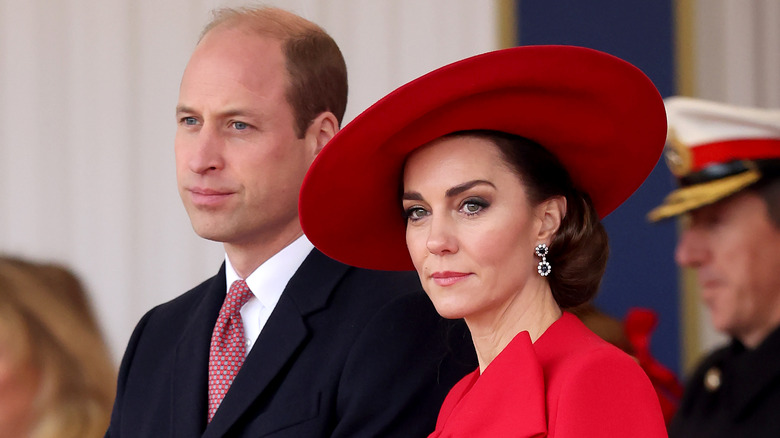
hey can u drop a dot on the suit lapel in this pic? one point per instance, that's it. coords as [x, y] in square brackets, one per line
[283, 335]
[190, 370]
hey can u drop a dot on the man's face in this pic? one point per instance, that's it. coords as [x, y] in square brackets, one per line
[735, 249]
[239, 164]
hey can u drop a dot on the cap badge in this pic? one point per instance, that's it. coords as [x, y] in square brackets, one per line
[678, 156]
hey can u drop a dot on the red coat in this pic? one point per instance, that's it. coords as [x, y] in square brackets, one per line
[569, 384]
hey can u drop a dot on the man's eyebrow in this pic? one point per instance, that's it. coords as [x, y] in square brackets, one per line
[184, 109]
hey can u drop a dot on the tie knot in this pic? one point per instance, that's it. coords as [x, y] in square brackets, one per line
[237, 296]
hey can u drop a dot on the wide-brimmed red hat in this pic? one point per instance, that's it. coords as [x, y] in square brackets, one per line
[600, 116]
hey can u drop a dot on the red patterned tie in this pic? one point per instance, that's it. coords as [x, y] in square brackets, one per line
[227, 345]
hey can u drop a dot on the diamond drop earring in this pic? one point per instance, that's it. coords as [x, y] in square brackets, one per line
[543, 267]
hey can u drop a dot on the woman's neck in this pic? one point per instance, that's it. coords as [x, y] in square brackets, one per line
[532, 310]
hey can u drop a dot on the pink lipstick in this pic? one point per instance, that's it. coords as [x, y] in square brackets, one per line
[448, 278]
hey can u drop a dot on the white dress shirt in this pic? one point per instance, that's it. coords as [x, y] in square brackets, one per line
[267, 283]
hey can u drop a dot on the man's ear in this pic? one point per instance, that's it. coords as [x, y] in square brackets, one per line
[320, 131]
[550, 213]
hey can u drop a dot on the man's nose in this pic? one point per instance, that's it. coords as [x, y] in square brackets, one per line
[206, 153]
[691, 249]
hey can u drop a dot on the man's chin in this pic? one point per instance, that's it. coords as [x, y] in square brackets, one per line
[212, 233]
[721, 324]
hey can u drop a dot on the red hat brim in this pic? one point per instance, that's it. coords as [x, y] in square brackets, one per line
[601, 116]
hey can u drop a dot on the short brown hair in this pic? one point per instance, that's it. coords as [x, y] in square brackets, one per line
[579, 249]
[318, 72]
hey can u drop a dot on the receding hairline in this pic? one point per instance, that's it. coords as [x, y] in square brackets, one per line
[315, 66]
[268, 21]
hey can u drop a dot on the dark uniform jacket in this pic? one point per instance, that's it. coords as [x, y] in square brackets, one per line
[346, 353]
[734, 393]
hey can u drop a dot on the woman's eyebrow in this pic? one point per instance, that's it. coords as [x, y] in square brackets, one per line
[411, 196]
[460, 188]
[454, 191]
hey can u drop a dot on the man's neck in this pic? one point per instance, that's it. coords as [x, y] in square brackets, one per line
[246, 258]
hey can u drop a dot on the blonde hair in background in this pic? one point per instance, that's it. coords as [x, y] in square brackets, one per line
[48, 327]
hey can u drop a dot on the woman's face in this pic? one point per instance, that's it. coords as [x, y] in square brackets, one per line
[18, 387]
[470, 231]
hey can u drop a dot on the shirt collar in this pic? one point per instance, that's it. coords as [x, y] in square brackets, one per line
[268, 281]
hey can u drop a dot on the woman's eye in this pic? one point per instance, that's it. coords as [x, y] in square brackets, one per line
[415, 213]
[470, 207]
[473, 206]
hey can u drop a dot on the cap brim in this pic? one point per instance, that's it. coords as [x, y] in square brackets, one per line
[601, 116]
[696, 196]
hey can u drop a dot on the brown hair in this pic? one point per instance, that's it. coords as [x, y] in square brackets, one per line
[55, 333]
[579, 249]
[318, 73]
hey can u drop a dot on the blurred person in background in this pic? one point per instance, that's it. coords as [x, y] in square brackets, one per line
[727, 161]
[56, 373]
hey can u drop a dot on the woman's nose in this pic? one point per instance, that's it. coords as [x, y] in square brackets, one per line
[442, 238]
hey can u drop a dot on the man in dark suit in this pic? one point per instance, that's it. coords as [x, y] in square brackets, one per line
[727, 160]
[283, 341]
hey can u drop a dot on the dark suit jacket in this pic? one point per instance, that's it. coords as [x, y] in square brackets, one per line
[747, 402]
[347, 352]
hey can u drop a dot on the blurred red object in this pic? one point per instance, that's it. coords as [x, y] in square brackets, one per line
[639, 325]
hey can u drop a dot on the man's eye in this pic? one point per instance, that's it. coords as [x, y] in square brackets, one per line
[240, 125]
[190, 121]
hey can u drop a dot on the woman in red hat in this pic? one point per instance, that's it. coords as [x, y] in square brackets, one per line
[489, 176]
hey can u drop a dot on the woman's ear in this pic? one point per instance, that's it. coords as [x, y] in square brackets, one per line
[551, 213]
